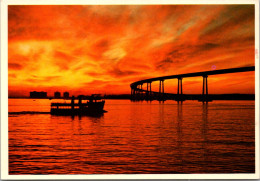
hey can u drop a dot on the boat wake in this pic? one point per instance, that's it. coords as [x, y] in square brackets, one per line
[29, 112]
[38, 112]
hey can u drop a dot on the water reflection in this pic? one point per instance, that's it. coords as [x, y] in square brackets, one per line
[161, 112]
[136, 137]
[204, 133]
[76, 124]
[179, 132]
[91, 116]
[192, 137]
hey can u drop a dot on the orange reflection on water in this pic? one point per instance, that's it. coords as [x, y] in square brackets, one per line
[134, 137]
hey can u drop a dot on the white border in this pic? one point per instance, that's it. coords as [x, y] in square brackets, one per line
[116, 2]
[257, 141]
[4, 92]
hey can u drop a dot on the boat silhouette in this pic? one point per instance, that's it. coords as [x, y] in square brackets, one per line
[84, 106]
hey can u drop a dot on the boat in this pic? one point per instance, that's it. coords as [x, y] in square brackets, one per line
[93, 105]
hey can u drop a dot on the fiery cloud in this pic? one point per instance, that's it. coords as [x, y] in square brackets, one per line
[102, 49]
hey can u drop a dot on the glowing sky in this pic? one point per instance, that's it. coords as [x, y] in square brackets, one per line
[102, 49]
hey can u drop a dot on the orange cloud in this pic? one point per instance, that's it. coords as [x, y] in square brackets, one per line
[94, 48]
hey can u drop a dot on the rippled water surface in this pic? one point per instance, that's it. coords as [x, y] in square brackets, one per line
[134, 137]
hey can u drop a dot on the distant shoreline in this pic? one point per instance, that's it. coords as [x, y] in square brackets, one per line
[189, 97]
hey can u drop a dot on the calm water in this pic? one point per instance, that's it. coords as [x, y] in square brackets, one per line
[134, 137]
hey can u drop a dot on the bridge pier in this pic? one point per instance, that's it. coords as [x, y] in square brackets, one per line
[205, 85]
[148, 91]
[140, 92]
[205, 97]
[161, 90]
[179, 91]
[179, 96]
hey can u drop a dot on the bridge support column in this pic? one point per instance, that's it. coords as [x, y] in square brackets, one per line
[205, 85]
[161, 90]
[205, 89]
[149, 91]
[141, 92]
[138, 92]
[179, 90]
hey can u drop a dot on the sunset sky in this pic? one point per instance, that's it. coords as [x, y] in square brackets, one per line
[103, 49]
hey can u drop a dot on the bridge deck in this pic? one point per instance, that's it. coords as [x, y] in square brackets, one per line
[195, 74]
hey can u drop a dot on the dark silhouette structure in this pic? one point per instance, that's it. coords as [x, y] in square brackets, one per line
[93, 106]
[66, 95]
[36, 94]
[57, 95]
[138, 93]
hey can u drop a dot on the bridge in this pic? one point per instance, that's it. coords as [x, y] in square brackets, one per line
[138, 93]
